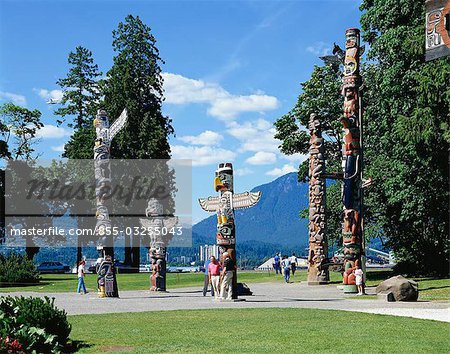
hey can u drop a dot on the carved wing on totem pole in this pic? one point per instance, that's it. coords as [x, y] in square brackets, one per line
[246, 199]
[240, 201]
[210, 204]
[118, 124]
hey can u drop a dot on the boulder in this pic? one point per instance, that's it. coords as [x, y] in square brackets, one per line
[401, 288]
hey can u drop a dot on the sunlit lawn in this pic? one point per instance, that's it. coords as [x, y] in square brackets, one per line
[268, 330]
[430, 289]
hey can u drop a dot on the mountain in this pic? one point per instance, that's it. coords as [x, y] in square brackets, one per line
[275, 219]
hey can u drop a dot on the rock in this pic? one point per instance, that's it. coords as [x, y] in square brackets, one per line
[401, 289]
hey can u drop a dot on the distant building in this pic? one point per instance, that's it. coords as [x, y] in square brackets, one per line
[182, 259]
[206, 251]
[268, 265]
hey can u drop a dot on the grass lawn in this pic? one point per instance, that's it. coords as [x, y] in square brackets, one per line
[139, 281]
[429, 289]
[257, 330]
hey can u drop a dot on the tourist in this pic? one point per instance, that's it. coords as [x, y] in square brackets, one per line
[293, 260]
[81, 274]
[227, 277]
[207, 280]
[359, 279]
[276, 264]
[214, 276]
[286, 264]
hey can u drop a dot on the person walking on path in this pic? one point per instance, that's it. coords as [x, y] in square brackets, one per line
[276, 263]
[293, 260]
[207, 279]
[214, 276]
[81, 274]
[359, 279]
[286, 264]
[227, 277]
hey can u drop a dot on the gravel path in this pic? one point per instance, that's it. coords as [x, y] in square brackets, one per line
[294, 295]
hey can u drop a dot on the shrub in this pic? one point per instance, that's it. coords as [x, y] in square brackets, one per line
[32, 324]
[16, 268]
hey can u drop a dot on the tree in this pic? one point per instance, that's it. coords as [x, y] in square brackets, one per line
[18, 129]
[320, 95]
[81, 93]
[135, 82]
[406, 136]
[81, 96]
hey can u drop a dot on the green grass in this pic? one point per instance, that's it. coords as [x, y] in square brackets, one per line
[139, 281]
[429, 289]
[257, 330]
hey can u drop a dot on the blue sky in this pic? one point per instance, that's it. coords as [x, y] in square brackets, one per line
[232, 68]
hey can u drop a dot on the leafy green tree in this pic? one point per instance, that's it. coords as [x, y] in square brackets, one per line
[18, 130]
[81, 92]
[320, 95]
[135, 82]
[406, 136]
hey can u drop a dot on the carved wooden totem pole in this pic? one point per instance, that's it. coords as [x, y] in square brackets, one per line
[437, 42]
[107, 283]
[224, 205]
[159, 231]
[352, 159]
[318, 245]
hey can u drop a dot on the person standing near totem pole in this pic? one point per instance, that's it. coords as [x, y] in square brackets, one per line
[207, 279]
[214, 277]
[228, 269]
[81, 273]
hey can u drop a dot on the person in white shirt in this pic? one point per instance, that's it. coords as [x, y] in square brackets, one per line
[293, 260]
[81, 274]
[286, 264]
[359, 279]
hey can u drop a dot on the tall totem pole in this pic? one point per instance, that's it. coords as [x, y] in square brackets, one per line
[318, 245]
[352, 160]
[107, 283]
[224, 205]
[155, 224]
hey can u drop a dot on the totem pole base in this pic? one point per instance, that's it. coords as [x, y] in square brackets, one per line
[350, 289]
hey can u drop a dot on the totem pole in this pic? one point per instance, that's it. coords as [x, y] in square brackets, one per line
[224, 205]
[437, 42]
[352, 160]
[107, 283]
[318, 245]
[159, 229]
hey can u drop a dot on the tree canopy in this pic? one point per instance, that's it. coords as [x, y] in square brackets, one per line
[406, 134]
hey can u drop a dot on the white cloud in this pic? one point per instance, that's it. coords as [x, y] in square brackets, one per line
[230, 107]
[59, 148]
[255, 135]
[208, 137]
[54, 95]
[222, 104]
[243, 171]
[13, 97]
[262, 158]
[319, 48]
[49, 131]
[281, 171]
[202, 155]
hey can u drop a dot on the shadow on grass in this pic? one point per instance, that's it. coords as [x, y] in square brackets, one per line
[75, 345]
[379, 275]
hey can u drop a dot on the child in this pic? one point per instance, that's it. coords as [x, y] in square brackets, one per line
[359, 279]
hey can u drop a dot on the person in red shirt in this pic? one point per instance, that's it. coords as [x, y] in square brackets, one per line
[214, 275]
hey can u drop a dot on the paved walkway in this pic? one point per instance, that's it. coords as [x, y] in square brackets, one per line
[294, 295]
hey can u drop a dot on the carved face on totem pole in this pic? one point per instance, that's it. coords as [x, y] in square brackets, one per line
[223, 183]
